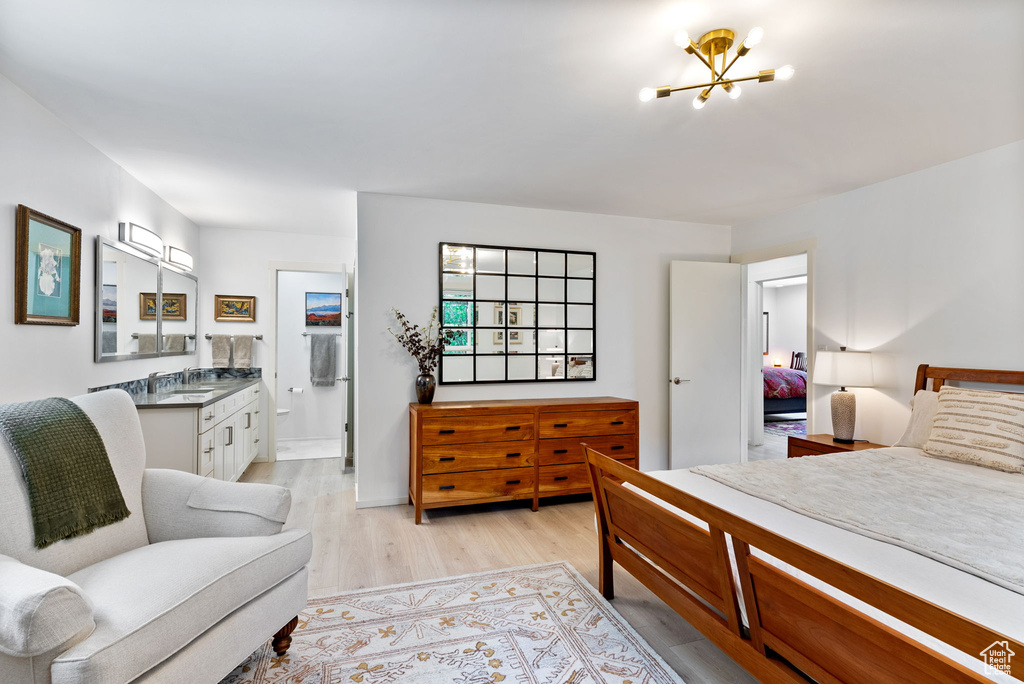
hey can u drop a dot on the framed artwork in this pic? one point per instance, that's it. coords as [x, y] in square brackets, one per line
[764, 334]
[110, 303]
[499, 337]
[47, 269]
[499, 314]
[323, 309]
[234, 308]
[515, 315]
[175, 306]
[514, 336]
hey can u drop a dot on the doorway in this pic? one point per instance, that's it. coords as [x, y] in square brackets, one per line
[312, 352]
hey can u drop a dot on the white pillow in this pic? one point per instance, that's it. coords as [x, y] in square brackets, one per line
[979, 427]
[925, 405]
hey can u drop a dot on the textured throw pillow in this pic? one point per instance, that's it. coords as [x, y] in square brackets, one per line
[925, 404]
[979, 427]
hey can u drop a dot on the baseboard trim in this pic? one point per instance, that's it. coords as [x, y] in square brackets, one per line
[381, 502]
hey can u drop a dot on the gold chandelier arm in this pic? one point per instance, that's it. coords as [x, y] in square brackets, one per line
[712, 84]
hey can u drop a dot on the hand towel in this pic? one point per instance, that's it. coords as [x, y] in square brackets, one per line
[147, 344]
[174, 343]
[243, 351]
[109, 342]
[221, 350]
[71, 486]
[322, 359]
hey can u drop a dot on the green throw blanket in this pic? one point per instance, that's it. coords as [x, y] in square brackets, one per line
[71, 486]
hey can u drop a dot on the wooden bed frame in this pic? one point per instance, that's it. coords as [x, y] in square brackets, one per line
[795, 631]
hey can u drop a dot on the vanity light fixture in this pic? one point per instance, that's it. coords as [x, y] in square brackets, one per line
[142, 239]
[178, 258]
[709, 48]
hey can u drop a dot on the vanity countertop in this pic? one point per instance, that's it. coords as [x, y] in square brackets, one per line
[196, 395]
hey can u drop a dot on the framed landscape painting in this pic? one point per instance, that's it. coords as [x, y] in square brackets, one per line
[47, 268]
[109, 303]
[234, 308]
[323, 309]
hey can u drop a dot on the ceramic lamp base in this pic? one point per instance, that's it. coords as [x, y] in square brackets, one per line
[844, 416]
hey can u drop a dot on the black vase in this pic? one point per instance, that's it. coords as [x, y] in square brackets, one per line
[425, 386]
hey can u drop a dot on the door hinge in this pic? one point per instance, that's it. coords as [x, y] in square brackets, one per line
[346, 292]
[346, 427]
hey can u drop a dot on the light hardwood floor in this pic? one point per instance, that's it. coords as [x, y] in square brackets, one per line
[371, 547]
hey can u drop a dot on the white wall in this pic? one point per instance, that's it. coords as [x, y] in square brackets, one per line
[924, 268]
[51, 169]
[787, 322]
[318, 412]
[237, 261]
[398, 263]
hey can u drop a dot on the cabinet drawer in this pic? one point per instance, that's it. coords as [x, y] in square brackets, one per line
[512, 483]
[568, 449]
[582, 423]
[796, 451]
[562, 479]
[470, 429]
[206, 450]
[461, 457]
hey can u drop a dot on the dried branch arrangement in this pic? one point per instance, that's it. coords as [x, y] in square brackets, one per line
[424, 344]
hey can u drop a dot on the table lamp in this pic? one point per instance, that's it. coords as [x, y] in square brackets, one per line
[843, 369]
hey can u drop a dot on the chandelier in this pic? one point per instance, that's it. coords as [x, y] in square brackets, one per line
[711, 48]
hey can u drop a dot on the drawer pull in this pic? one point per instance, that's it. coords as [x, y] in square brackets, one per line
[447, 458]
[618, 422]
[446, 432]
[617, 447]
[512, 427]
[513, 455]
[561, 477]
[561, 425]
[510, 482]
[209, 417]
[447, 487]
[207, 451]
[561, 451]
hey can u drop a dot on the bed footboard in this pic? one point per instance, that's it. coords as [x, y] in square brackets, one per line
[792, 630]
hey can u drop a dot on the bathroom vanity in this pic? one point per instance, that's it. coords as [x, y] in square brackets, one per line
[210, 428]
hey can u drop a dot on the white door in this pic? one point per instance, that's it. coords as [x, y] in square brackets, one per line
[705, 363]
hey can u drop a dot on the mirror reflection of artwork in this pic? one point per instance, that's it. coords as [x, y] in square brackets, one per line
[514, 315]
[110, 303]
[499, 314]
[323, 309]
[175, 306]
[514, 336]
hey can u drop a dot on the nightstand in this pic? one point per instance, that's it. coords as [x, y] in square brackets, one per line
[813, 445]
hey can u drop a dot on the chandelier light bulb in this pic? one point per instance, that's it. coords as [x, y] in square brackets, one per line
[754, 37]
[734, 92]
[647, 94]
[698, 102]
[682, 39]
[784, 73]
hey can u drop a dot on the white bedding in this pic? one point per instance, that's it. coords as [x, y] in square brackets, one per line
[974, 598]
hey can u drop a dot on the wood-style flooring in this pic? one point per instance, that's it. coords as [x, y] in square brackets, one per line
[370, 547]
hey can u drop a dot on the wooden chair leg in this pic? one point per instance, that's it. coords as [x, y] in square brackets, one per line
[283, 638]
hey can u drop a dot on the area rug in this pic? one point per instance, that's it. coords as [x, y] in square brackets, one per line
[786, 427]
[541, 624]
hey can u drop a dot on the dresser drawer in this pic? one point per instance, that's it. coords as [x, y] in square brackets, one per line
[583, 423]
[469, 429]
[512, 483]
[562, 479]
[459, 457]
[568, 449]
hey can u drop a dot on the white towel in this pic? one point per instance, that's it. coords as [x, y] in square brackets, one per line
[174, 343]
[221, 350]
[243, 351]
[147, 344]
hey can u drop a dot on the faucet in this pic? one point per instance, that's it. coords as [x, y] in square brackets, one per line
[153, 377]
[186, 375]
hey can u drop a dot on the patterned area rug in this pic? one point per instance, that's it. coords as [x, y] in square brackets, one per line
[786, 428]
[542, 624]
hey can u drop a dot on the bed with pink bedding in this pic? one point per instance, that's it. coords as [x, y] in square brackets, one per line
[785, 390]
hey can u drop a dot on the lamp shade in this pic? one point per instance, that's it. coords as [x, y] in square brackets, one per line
[843, 369]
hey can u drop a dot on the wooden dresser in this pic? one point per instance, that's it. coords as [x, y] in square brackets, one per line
[480, 451]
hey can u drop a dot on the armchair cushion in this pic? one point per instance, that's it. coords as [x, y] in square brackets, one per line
[39, 610]
[179, 505]
[152, 601]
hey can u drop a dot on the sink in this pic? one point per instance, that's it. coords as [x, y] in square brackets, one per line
[180, 397]
[193, 390]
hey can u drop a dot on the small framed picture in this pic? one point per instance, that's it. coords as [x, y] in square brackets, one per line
[499, 314]
[175, 306]
[514, 336]
[515, 314]
[499, 337]
[237, 308]
[323, 308]
[47, 269]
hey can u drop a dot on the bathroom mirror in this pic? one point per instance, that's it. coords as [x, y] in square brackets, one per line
[516, 314]
[180, 295]
[124, 277]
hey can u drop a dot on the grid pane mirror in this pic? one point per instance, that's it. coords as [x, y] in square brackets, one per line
[517, 314]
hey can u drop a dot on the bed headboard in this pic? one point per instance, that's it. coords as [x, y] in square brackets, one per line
[940, 375]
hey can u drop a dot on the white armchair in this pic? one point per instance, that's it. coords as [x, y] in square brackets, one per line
[194, 580]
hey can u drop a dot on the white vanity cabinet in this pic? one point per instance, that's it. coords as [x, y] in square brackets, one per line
[219, 440]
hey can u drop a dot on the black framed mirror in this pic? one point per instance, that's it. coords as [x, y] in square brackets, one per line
[517, 314]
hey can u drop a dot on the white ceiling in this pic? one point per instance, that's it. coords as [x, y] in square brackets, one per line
[262, 113]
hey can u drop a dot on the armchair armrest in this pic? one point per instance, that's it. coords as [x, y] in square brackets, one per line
[40, 611]
[179, 505]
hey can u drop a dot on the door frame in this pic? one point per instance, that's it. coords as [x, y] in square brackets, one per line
[806, 246]
[270, 378]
